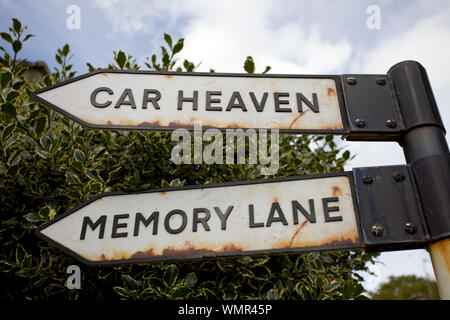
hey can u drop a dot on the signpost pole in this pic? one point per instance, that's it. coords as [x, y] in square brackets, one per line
[426, 149]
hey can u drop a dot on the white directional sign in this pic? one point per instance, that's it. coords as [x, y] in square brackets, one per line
[254, 217]
[152, 100]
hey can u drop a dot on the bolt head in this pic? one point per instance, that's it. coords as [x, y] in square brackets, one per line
[377, 230]
[360, 123]
[381, 81]
[391, 123]
[398, 176]
[410, 228]
[351, 81]
[367, 179]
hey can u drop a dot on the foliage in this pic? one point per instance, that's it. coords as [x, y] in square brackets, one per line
[409, 287]
[49, 164]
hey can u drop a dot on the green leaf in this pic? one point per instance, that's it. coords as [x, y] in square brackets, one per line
[346, 155]
[181, 293]
[249, 65]
[168, 39]
[9, 109]
[273, 294]
[178, 47]
[191, 279]
[20, 254]
[40, 125]
[79, 155]
[17, 46]
[65, 50]
[46, 142]
[121, 291]
[58, 59]
[121, 59]
[17, 26]
[93, 174]
[8, 131]
[170, 275]
[267, 69]
[72, 178]
[5, 78]
[7, 37]
[28, 36]
[133, 284]
[11, 96]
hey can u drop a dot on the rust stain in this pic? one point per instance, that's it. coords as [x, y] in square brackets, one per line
[296, 232]
[331, 92]
[275, 199]
[150, 124]
[168, 76]
[349, 238]
[296, 118]
[188, 250]
[162, 193]
[336, 191]
[443, 247]
[109, 122]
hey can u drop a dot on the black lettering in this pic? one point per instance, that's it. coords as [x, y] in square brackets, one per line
[127, 93]
[182, 99]
[311, 215]
[100, 222]
[117, 225]
[209, 100]
[327, 209]
[94, 97]
[203, 220]
[232, 103]
[251, 214]
[154, 100]
[140, 218]
[276, 208]
[259, 106]
[314, 106]
[183, 223]
[278, 102]
[223, 217]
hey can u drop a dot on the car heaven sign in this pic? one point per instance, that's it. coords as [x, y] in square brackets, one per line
[243, 218]
[155, 100]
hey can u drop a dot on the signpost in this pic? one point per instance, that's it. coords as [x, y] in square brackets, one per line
[242, 218]
[379, 208]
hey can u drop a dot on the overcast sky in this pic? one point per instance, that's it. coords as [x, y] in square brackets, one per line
[291, 36]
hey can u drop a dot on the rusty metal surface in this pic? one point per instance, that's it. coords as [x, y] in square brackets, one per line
[240, 236]
[73, 98]
[440, 256]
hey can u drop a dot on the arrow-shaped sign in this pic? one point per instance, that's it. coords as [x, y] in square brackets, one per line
[253, 217]
[169, 100]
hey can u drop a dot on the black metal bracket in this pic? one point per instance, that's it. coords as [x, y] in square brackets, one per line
[371, 108]
[389, 208]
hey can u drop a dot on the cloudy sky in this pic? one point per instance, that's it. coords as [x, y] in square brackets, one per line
[291, 36]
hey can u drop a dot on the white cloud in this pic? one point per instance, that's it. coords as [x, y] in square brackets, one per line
[428, 43]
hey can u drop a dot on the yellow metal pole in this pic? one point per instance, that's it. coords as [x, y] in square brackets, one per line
[440, 258]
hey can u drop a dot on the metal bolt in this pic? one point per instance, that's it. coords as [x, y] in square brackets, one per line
[377, 230]
[391, 124]
[410, 228]
[381, 81]
[351, 81]
[398, 176]
[360, 123]
[367, 179]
